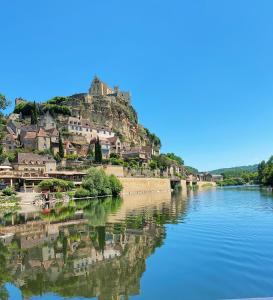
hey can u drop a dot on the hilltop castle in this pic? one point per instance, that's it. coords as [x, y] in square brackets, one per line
[100, 89]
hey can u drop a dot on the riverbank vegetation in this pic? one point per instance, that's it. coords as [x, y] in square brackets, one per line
[265, 172]
[97, 183]
[238, 176]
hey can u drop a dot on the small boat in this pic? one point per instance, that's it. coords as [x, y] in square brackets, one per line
[46, 211]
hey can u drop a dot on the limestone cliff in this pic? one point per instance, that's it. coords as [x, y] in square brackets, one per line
[111, 108]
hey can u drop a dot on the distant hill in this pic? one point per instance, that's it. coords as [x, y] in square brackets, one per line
[234, 170]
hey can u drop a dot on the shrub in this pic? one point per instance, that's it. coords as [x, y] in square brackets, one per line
[82, 193]
[115, 184]
[116, 161]
[58, 185]
[99, 184]
[71, 157]
[8, 191]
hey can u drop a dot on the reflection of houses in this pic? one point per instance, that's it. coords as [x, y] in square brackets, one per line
[72, 250]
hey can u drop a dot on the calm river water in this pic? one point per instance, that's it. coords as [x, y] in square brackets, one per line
[213, 244]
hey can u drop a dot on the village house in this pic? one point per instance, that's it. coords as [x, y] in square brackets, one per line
[53, 134]
[105, 147]
[34, 138]
[209, 177]
[135, 153]
[47, 121]
[69, 148]
[9, 142]
[80, 126]
[43, 140]
[15, 127]
[34, 163]
[115, 145]
[84, 128]
[104, 133]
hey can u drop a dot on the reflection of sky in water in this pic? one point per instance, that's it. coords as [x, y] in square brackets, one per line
[214, 244]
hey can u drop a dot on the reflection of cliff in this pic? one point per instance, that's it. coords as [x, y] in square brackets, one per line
[78, 258]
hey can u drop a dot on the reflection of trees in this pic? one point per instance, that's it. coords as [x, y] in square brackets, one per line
[118, 251]
[4, 277]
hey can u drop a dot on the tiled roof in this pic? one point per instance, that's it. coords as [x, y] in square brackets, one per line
[42, 133]
[28, 158]
[30, 135]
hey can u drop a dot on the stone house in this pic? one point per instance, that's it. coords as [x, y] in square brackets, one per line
[47, 121]
[43, 140]
[80, 126]
[28, 140]
[34, 163]
[9, 141]
[83, 127]
[135, 153]
[53, 134]
[209, 177]
[34, 138]
[104, 133]
[115, 145]
[15, 127]
[69, 148]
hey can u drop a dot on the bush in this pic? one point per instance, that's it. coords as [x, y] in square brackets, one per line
[71, 157]
[82, 193]
[97, 183]
[116, 161]
[8, 191]
[58, 185]
[115, 184]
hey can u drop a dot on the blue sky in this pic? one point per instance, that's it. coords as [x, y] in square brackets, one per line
[200, 71]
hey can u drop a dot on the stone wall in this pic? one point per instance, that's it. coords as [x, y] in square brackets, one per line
[115, 170]
[200, 184]
[203, 184]
[145, 185]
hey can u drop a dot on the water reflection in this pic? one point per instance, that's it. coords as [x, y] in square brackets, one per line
[86, 249]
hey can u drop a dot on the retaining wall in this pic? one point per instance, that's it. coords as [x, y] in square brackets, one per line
[144, 185]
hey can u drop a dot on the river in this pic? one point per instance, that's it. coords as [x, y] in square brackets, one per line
[211, 244]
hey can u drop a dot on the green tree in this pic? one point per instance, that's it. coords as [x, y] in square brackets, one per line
[58, 185]
[115, 185]
[97, 183]
[90, 152]
[98, 153]
[34, 114]
[61, 146]
[176, 158]
[3, 102]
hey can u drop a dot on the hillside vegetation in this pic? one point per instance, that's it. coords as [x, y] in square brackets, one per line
[235, 171]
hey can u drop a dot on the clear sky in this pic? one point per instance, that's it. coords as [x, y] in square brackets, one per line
[200, 71]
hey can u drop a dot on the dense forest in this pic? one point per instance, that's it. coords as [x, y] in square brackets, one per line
[265, 172]
[238, 175]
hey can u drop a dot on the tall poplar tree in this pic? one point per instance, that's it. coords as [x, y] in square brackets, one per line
[61, 146]
[34, 114]
[98, 153]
